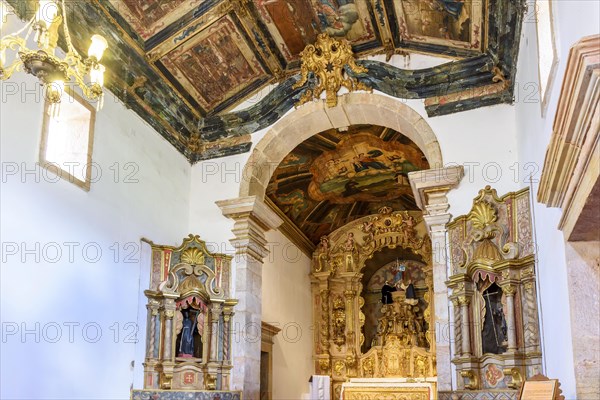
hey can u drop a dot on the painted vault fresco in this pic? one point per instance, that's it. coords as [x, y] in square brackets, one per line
[295, 24]
[148, 17]
[215, 64]
[183, 65]
[335, 177]
[441, 21]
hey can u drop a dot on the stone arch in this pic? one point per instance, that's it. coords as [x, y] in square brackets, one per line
[316, 117]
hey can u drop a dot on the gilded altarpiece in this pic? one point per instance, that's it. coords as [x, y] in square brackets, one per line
[345, 276]
[496, 328]
[188, 339]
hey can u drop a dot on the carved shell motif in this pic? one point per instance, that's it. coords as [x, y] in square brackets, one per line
[482, 215]
[193, 256]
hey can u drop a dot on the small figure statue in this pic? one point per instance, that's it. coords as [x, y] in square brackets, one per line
[411, 295]
[322, 254]
[398, 272]
[186, 346]
[408, 229]
[386, 293]
[350, 244]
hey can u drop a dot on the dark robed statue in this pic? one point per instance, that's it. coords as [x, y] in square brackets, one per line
[386, 293]
[186, 346]
[410, 290]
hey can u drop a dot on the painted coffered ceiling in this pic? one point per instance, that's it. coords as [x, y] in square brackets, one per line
[183, 65]
[335, 177]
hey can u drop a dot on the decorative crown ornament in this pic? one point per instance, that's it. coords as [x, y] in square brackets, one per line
[329, 60]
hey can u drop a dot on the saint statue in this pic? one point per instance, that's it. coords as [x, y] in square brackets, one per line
[386, 293]
[186, 346]
[494, 332]
[398, 272]
[411, 295]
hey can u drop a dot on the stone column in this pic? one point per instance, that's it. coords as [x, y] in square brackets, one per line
[463, 302]
[151, 339]
[228, 314]
[509, 291]
[252, 220]
[168, 357]
[430, 188]
[215, 314]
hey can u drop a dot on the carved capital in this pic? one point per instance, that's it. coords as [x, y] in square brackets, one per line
[215, 310]
[431, 186]
[253, 218]
[509, 289]
[463, 300]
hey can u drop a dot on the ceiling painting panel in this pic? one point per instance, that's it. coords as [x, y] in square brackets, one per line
[295, 23]
[148, 17]
[364, 168]
[451, 23]
[214, 65]
[292, 23]
[335, 177]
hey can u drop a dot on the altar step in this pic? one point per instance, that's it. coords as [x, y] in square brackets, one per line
[149, 394]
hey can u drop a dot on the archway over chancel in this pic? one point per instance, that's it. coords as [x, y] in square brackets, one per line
[425, 185]
[315, 117]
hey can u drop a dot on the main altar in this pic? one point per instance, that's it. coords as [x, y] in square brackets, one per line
[367, 342]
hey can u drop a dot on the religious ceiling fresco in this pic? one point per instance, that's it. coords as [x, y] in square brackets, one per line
[337, 176]
[183, 65]
[148, 17]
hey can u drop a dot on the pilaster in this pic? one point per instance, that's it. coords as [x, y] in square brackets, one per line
[430, 188]
[252, 220]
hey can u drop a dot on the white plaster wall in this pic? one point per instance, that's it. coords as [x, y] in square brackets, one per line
[287, 304]
[214, 180]
[44, 291]
[573, 20]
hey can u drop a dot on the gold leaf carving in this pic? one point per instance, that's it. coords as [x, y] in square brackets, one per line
[189, 284]
[482, 215]
[327, 60]
[193, 256]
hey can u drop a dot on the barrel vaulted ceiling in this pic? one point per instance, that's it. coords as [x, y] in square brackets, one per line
[183, 65]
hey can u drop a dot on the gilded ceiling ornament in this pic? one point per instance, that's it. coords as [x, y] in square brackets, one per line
[328, 59]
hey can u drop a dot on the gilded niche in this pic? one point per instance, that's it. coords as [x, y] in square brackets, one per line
[328, 59]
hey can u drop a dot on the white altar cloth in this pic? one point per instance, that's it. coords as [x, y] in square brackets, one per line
[320, 387]
[430, 383]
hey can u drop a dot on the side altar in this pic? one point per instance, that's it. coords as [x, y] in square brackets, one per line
[188, 336]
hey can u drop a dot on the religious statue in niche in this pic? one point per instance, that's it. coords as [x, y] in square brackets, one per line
[186, 339]
[494, 330]
[189, 337]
